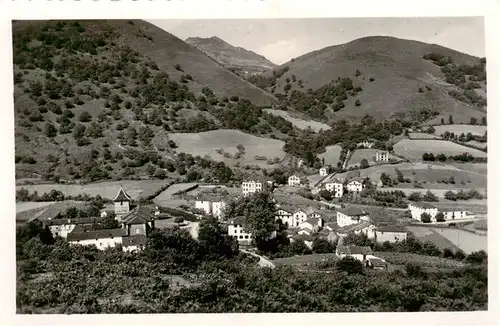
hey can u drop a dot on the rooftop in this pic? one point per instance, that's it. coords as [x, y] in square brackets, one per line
[139, 215]
[122, 196]
[238, 220]
[96, 234]
[391, 228]
[353, 227]
[353, 211]
[71, 221]
[354, 250]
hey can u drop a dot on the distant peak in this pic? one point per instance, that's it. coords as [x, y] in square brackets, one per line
[206, 39]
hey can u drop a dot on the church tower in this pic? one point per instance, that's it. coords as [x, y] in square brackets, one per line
[122, 203]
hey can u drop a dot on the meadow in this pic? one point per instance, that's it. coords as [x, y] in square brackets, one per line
[458, 129]
[209, 142]
[26, 206]
[367, 154]
[135, 188]
[413, 149]
[423, 135]
[331, 155]
[299, 123]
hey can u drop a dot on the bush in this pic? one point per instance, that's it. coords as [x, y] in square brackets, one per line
[425, 218]
[85, 117]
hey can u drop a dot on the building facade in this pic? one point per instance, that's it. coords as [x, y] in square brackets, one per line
[355, 185]
[417, 209]
[351, 215]
[382, 157]
[235, 229]
[211, 206]
[323, 172]
[335, 187]
[122, 203]
[293, 180]
[391, 234]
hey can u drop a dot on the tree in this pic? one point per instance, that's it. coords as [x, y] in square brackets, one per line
[298, 247]
[50, 131]
[399, 175]
[440, 217]
[477, 257]
[430, 196]
[350, 265]
[214, 242]
[110, 222]
[442, 121]
[425, 217]
[473, 121]
[483, 121]
[415, 196]
[326, 194]
[450, 195]
[386, 180]
[259, 212]
[364, 164]
[450, 119]
[85, 117]
[322, 246]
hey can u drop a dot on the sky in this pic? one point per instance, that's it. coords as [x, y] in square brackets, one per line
[280, 40]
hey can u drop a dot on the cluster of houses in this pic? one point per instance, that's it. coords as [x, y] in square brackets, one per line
[135, 223]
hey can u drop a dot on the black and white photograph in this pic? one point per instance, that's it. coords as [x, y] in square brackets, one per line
[277, 165]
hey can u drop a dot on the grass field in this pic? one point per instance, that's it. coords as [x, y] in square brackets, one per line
[458, 129]
[467, 241]
[398, 258]
[413, 149]
[368, 154]
[425, 234]
[26, 206]
[207, 143]
[108, 190]
[298, 261]
[331, 155]
[423, 135]
[297, 122]
[165, 197]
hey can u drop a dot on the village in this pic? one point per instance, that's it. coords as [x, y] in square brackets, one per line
[317, 219]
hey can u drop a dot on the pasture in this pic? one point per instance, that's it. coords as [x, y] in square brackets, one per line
[458, 129]
[298, 122]
[331, 155]
[209, 142]
[413, 149]
[367, 154]
[135, 188]
[423, 135]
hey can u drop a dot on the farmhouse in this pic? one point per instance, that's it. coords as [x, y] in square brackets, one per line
[382, 157]
[62, 227]
[122, 203]
[211, 205]
[312, 224]
[236, 230]
[357, 252]
[360, 228]
[351, 215]
[139, 221]
[293, 180]
[102, 239]
[323, 172]
[355, 185]
[255, 185]
[336, 187]
[365, 144]
[390, 233]
[457, 214]
[417, 209]
[285, 215]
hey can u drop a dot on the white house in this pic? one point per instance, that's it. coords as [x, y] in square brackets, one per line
[417, 209]
[336, 187]
[122, 203]
[357, 252]
[236, 230]
[382, 157]
[365, 144]
[293, 180]
[285, 215]
[351, 215]
[390, 233]
[298, 217]
[360, 228]
[102, 239]
[211, 205]
[251, 187]
[312, 224]
[63, 227]
[355, 185]
[323, 172]
[457, 214]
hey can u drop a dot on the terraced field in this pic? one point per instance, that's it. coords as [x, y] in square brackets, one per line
[414, 149]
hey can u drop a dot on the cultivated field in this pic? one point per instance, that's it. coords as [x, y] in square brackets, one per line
[299, 123]
[26, 206]
[458, 129]
[438, 192]
[367, 154]
[207, 143]
[107, 190]
[413, 149]
[331, 155]
[423, 135]
[298, 261]
[398, 258]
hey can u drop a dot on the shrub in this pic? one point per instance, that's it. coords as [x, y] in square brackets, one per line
[425, 217]
[85, 117]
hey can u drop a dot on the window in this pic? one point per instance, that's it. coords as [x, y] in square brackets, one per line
[246, 236]
[241, 237]
[121, 203]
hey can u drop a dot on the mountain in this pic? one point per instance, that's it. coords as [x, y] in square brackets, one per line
[237, 59]
[88, 93]
[391, 76]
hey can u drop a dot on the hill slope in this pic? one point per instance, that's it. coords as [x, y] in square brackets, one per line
[90, 96]
[392, 73]
[237, 59]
